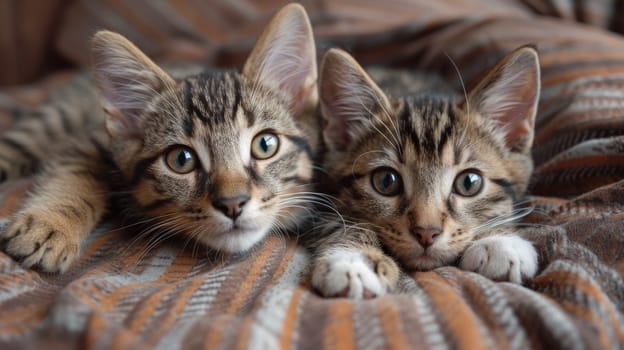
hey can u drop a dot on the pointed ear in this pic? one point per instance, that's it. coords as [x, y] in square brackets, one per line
[509, 94]
[128, 81]
[349, 97]
[284, 59]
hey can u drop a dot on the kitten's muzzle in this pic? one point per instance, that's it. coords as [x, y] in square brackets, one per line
[426, 236]
[231, 207]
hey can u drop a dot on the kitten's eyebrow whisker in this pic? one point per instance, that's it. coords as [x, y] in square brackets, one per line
[461, 81]
[360, 156]
[371, 94]
[396, 132]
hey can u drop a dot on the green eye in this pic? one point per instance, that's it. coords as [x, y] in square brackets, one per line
[468, 183]
[181, 160]
[387, 181]
[264, 145]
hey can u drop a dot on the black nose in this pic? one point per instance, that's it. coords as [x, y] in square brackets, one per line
[426, 236]
[231, 207]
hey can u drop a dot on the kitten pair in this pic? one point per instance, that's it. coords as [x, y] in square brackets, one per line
[224, 158]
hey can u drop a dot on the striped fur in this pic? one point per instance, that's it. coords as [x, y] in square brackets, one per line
[133, 157]
[422, 144]
[171, 298]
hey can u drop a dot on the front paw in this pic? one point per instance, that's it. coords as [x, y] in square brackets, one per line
[507, 258]
[354, 274]
[34, 241]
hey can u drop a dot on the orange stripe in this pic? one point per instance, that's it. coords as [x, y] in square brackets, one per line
[90, 292]
[147, 308]
[250, 280]
[562, 279]
[391, 323]
[150, 303]
[290, 319]
[181, 301]
[214, 336]
[283, 265]
[474, 292]
[589, 316]
[291, 249]
[243, 333]
[338, 328]
[112, 235]
[455, 313]
[125, 339]
[110, 301]
[215, 333]
[95, 327]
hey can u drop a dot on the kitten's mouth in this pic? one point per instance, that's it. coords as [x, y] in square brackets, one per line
[236, 239]
[237, 230]
[427, 260]
[426, 257]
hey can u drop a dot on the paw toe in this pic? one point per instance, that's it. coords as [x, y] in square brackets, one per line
[35, 244]
[351, 278]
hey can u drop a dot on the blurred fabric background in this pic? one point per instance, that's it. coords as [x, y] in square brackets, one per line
[38, 37]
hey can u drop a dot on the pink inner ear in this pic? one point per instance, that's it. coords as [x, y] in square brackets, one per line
[518, 127]
[517, 119]
[509, 95]
[300, 87]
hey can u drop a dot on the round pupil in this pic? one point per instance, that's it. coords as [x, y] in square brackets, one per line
[183, 157]
[470, 180]
[388, 180]
[266, 142]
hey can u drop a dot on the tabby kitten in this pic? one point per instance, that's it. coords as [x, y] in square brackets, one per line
[220, 157]
[425, 180]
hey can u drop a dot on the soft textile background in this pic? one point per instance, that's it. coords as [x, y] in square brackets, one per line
[119, 297]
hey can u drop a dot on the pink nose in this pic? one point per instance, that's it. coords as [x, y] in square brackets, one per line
[426, 236]
[232, 207]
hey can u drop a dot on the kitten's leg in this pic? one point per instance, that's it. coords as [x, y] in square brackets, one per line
[501, 257]
[348, 268]
[36, 133]
[21, 151]
[50, 227]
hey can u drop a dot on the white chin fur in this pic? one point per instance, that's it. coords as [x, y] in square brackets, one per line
[237, 242]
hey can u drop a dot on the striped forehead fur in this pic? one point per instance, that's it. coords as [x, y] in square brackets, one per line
[428, 141]
[213, 118]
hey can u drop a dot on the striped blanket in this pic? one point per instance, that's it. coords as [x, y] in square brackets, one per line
[123, 295]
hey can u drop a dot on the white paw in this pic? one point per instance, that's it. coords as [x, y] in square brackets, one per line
[508, 258]
[346, 273]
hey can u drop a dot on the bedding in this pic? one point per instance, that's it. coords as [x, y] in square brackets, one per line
[123, 295]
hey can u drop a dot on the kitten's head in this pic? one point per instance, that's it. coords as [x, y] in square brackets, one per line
[429, 173]
[222, 157]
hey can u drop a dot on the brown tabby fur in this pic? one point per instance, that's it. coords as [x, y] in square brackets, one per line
[91, 162]
[428, 139]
